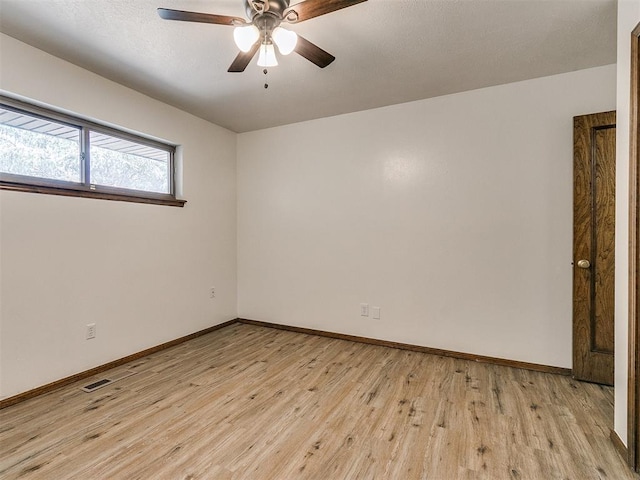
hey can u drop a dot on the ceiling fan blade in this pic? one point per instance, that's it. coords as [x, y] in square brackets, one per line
[313, 53]
[243, 59]
[168, 14]
[314, 8]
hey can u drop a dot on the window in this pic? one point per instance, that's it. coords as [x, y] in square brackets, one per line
[44, 151]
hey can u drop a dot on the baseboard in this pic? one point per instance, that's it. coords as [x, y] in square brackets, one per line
[619, 445]
[21, 397]
[416, 348]
[371, 341]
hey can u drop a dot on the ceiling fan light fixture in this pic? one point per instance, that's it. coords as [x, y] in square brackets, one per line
[246, 36]
[261, 32]
[267, 56]
[286, 40]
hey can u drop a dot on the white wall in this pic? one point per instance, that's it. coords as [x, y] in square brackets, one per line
[140, 272]
[452, 214]
[628, 18]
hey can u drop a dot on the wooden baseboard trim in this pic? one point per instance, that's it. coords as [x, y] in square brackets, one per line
[619, 445]
[415, 348]
[21, 397]
[340, 336]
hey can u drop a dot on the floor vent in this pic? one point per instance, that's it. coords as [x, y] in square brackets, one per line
[107, 381]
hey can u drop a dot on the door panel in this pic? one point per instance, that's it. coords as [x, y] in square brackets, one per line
[604, 207]
[594, 239]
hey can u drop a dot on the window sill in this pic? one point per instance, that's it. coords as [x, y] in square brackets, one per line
[118, 196]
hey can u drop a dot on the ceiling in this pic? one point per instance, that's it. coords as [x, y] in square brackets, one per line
[387, 51]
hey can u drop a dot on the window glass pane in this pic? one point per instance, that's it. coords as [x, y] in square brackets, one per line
[36, 147]
[124, 164]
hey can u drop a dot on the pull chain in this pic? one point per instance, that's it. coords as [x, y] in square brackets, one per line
[265, 71]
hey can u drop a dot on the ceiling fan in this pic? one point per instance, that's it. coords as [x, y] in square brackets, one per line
[263, 29]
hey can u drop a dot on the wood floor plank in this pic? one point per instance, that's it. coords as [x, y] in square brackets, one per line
[253, 403]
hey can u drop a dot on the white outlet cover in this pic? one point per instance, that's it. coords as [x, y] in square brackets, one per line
[376, 313]
[91, 331]
[364, 309]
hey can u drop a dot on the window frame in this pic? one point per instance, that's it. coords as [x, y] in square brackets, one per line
[85, 189]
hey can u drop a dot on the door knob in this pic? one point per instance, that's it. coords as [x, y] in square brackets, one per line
[584, 263]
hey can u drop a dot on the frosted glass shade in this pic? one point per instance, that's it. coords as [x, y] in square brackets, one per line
[286, 40]
[246, 36]
[267, 56]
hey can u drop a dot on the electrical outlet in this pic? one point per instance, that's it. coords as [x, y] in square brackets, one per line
[376, 313]
[364, 309]
[212, 292]
[91, 331]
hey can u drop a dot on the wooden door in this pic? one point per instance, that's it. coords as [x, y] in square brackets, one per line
[594, 178]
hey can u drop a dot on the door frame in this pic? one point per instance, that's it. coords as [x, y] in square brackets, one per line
[633, 389]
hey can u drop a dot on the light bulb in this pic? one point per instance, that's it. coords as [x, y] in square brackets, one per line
[246, 36]
[267, 56]
[286, 40]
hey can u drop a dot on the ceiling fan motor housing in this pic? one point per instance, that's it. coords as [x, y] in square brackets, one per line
[276, 8]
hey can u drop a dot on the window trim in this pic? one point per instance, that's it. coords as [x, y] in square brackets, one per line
[84, 189]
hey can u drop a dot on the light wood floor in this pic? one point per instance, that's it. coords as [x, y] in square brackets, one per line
[254, 403]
